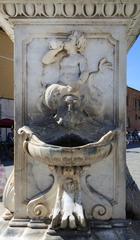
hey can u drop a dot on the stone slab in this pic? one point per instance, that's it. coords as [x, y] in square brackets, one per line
[129, 231]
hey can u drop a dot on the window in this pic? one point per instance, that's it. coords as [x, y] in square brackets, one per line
[127, 100]
[139, 104]
[128, 122]
[136, 117]
[135, 103]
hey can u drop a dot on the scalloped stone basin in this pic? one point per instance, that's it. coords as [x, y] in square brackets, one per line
[54, 155]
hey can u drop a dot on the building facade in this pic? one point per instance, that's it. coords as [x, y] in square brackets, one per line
[133, 109]
[6, 81]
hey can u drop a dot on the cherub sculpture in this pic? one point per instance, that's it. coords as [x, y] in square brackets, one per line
[66, 97]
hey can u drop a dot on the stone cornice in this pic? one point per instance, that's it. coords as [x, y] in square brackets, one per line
[69, 8]
[7, 27]
[89, 9]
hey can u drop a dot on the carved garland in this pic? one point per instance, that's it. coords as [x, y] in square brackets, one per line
[70, 9]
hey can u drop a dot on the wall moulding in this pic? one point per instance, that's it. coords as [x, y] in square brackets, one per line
[69, 9]
[86, 9]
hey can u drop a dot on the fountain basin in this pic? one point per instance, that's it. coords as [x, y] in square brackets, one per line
[66, 156]
[53, 155]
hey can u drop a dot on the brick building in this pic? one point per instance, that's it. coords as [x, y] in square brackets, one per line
[133, 109]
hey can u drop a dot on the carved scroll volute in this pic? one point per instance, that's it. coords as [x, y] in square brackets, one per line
[37, 210]
[102, 211]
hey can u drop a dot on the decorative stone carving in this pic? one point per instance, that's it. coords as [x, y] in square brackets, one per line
[8, 198]
[7, 27]
[8, 195]
[87, 9]
[70, 9]
[68, 165]
[66, 116]
[67, 121]
[68, 98]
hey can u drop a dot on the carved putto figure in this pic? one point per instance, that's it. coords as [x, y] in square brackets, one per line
[65, 97]
[68, 97]
[72, 64]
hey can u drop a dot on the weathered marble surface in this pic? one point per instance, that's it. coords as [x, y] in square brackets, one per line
[104, 232]
[104, 98]
[90, 81]
[88, 9]
[68, 164]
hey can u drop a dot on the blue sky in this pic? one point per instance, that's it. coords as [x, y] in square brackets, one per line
[133, 66]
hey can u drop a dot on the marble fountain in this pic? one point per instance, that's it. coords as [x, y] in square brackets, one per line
[70, 88]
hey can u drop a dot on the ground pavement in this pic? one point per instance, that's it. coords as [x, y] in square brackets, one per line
[133, 161]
